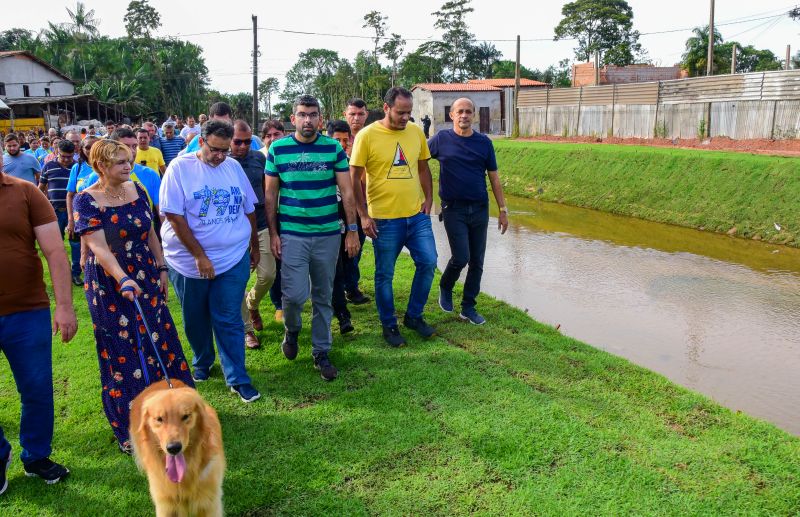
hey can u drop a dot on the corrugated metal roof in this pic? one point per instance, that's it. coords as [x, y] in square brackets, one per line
[507, 83]
[455, 87]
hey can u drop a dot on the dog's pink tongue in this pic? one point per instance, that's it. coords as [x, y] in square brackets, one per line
[176, 467]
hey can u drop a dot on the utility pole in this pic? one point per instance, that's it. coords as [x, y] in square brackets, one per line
[515, 131]
[255, 74]
[597, 68]
[788, 56]
[710, 56]
[733, 59]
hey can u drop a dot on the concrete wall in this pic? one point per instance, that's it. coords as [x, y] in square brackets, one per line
[16, 71]
[423, 105]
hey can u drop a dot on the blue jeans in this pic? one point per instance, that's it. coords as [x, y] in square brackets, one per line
[466, 223]
[215, 306]
[75, 255]
[63, 218]
[25, 340]
[414, 233]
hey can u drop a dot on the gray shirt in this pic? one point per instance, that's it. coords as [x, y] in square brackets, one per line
[23, 166]
[253, 164]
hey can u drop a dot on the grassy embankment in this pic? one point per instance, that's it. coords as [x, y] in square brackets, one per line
[711, 190]
[511, 418]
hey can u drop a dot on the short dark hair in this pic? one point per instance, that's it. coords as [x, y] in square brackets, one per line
[220, 109]
[44, 139]
[142, 130]
[358, 103]
[271, 124]
[393, 93]
[338, 126]
[215, 127]
[66, 146]
[122, 132]
[11, 137]
[305, 100]
[110, 122]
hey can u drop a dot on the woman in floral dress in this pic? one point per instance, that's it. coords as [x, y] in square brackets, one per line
[114, 220]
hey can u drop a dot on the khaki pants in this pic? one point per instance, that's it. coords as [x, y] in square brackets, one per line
[265, 275]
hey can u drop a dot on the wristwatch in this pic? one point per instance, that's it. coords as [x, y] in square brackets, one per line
[352, 227]
[503, 209]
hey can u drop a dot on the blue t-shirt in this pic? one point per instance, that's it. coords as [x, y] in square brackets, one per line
[171, 147]
[56, 178]
[77, 177]
[463, 162]
[24, 166]
[144, 176]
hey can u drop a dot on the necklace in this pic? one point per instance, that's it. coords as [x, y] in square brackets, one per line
[119, 197]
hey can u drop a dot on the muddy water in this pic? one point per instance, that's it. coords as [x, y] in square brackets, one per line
[718, 315]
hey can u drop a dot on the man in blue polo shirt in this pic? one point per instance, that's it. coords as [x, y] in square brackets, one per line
[19, 164]
[464, 157]
[54, 179]
[171, 145]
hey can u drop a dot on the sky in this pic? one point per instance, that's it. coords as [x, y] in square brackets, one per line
[229, 59]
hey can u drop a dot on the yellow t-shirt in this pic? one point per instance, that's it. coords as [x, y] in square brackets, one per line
[391, 160]
[151, 158]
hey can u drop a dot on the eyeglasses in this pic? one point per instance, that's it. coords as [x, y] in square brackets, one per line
[216, 150]
[302, 115]
[244, 141]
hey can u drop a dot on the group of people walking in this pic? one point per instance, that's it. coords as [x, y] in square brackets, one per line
[296, 212]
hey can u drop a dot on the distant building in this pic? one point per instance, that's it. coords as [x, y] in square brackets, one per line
[493, 99]
[39, 96]
[583, 74]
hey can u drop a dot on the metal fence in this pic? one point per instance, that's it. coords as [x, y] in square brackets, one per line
[754, 105]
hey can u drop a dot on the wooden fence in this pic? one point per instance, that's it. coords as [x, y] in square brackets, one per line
[754, 105]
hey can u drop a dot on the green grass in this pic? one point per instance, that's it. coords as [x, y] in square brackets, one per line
[711, 190]
[511, 418]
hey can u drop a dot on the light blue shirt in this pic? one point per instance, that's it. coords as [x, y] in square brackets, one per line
[24, 166]
[145, 176]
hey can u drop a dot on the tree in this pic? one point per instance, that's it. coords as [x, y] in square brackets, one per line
[695, 58]
[141, 19]
[456, 42]
[265, 90]
[83, 22]
[748, 59]
[481, 59]
[420, 67]
[393, 49]
[323, 74]
[604, 26]
[506, 69]
[377, 22]
[14, 39]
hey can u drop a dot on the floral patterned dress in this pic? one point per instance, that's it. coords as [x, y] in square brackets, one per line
[118, 329]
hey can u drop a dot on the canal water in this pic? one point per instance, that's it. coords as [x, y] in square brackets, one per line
[715, 314]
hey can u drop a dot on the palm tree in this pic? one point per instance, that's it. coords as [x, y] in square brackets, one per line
[84, 26]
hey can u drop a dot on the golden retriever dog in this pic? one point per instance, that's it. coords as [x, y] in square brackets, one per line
[177, 441]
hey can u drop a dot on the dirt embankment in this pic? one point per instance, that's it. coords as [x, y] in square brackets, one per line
[720, 143]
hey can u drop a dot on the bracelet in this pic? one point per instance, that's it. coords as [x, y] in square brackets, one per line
[162, 269]
[122, 281]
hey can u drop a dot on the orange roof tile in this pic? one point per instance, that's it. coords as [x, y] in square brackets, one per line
[455, 87]
[506, 83]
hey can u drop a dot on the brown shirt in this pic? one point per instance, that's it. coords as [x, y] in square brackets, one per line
[21, 274]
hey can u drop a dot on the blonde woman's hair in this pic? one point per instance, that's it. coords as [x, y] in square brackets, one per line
[104, 153]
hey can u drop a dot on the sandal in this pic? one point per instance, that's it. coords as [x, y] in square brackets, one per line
[126, 448]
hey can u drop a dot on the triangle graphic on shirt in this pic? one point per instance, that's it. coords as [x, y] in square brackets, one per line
[399, 170]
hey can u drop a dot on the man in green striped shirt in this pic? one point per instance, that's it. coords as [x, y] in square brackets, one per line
[305, 168]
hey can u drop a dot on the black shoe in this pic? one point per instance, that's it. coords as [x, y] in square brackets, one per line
[418, 324]
[356, 297]
[392, 336]
[48, 470]
[345, 325]
[289, 345]
[327, 371]
[4, 464]
[76, 280]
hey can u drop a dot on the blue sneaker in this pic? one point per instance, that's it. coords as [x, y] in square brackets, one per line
[200, 375]
[446, 300]
[246, 392]
[472, 316]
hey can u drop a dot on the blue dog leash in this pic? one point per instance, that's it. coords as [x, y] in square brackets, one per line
[149, 337]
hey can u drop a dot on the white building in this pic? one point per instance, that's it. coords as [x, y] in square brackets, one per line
[24, 75]
[493, 99]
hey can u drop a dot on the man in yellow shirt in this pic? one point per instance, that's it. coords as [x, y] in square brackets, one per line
[393, 155]
[147, 155]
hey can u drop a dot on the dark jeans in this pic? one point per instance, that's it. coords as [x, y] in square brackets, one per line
[63, 219]
[338, 299]
[25, 340]
[350, 271]
[275, 290]
[75, 254]
[466, 223]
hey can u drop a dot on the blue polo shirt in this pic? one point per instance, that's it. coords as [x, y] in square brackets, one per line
[77, 176]
[171, 147]
[56, 178]
[463, 163]
[144, 176]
